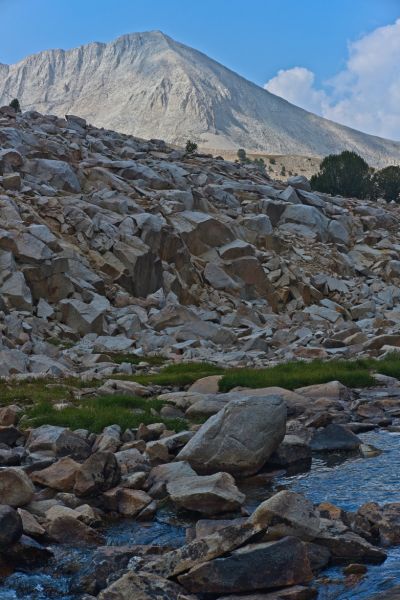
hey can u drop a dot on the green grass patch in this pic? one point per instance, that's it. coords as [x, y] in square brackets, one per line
[123, 357]
[96, 413]
[295, 374]
[389, 366]
[179, 374]
[40, 390]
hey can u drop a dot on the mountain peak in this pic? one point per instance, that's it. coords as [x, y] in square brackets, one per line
[149, 85]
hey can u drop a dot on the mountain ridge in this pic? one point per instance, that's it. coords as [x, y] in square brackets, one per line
[149, 85]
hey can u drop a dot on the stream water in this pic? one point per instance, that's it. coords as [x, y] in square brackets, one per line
[347, 482]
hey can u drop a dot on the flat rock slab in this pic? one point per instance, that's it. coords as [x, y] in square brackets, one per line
[210, 495]
[252, 567]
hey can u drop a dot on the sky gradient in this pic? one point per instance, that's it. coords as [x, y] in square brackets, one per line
[255, 38]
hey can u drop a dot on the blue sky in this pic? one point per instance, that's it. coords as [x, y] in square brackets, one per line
[253, 37]
[337, 58]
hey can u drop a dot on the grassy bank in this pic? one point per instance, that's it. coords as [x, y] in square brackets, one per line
[98, 412]
[95, 413]
[179, 374]
[296, 374]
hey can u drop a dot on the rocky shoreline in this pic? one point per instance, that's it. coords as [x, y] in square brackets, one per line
[64, 486]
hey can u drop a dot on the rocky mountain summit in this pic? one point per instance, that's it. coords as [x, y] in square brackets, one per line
[109, 243]
[149, 85]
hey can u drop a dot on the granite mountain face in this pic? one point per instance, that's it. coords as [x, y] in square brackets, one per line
[151, 86]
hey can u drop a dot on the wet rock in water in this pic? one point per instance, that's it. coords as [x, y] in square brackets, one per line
[287, 513]
[144, 586]
[210, 494]
[252, 567]
[126, 501]
[69, 530]
[355, 569]
[110, 560]
[240, 438]
[26, 552]
[333, 438]
[319, 556]
[384, 521]
[100, 472]
[291, 451]
[205, 527]
[16, 489]
[59, 476]
[205, 548]
[347, 546]
[10, 526]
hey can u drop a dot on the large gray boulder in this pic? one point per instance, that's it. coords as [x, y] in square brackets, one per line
[17, 292]
[16, 489]
[85, 318]
[240, 438]
[54, 172]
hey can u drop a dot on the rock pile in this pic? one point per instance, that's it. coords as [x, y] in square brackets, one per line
[112, 243]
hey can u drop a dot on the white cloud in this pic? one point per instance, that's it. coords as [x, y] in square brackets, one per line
[365, 95]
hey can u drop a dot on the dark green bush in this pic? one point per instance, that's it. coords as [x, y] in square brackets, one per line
[15, 105]
[345, 174]
[191, 147]
[386, 183]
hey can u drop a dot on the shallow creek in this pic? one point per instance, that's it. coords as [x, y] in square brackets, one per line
[346, 482]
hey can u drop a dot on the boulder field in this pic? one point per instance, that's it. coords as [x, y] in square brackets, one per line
[109, 243]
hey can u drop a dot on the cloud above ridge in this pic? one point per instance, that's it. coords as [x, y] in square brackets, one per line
[365, 95]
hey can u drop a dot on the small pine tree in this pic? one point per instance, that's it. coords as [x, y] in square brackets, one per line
[386, 183]
[15, 105]
[242, 156]
[191, 147]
